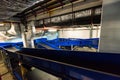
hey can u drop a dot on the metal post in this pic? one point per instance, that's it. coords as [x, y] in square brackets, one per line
[60, 47]
[24, 38]
[32, 34]
[91, 31]
[91, 27]
[71, 47]
[97, 32]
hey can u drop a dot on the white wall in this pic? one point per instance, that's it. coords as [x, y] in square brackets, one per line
[110, 30]
[79, 33]
[96, 33]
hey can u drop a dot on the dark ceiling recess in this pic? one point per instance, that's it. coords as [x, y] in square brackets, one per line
[31, 9]
[34, 6]
[9, 8]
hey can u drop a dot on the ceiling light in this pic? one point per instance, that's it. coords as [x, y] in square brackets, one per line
[1, 24]
[52, 30]
[38, 1]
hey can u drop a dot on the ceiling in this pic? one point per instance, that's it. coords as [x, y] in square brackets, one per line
[45, 6]
[9, 8]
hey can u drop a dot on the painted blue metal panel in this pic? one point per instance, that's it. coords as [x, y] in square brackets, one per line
[68, 72]
[17, 75]
[11, 44]
[40, 40]
[68, 42]
[74, 65]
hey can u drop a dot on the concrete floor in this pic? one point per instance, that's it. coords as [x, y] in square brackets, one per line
[4, 72]
[87, 49]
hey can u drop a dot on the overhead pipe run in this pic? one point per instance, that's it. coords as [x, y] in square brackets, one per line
[52, 7]
[58, 10]
[73, 16]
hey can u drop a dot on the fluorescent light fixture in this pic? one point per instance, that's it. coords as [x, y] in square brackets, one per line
[38, 1]
[52, 30]
[1, 24]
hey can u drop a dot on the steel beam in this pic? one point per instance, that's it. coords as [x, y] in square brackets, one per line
[72, 64]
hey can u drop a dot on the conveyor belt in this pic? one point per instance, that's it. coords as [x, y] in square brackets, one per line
[11, 49]
[46, 46]
[108, 63]
[70, 64]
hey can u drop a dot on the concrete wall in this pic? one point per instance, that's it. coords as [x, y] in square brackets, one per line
[110, 30]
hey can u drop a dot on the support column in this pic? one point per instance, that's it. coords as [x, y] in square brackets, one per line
[97, 31]
[72, 47]
[24, 37]
[91, 31]
[110, 30]
[27, 35]
[32, 34]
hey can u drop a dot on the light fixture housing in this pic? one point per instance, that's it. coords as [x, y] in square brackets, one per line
[1, 24]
